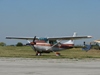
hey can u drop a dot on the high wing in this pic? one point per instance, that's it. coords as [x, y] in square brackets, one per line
[69, 38]
[23, 38]
[51, 38]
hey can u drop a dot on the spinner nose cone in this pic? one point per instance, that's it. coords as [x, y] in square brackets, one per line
[33, 43]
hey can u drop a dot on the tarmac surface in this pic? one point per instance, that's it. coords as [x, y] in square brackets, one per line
[29, 66]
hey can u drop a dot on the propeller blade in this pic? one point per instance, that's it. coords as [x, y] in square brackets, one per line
[32, 46]
[34, 43]
[34, 38]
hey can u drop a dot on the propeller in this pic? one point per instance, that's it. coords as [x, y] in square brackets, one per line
[33, 47]
[34, 39]
[34, 43]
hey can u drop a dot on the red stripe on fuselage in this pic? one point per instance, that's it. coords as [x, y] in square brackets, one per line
[66, 46]
[43, 43]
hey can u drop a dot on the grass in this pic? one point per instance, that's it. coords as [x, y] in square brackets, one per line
[27, 52]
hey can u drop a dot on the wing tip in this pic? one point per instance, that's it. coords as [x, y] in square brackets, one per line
[8, 38]
[89, 36]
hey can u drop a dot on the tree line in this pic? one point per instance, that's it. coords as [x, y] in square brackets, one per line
[18, 44]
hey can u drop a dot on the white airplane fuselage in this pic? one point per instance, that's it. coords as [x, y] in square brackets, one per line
[44, 47]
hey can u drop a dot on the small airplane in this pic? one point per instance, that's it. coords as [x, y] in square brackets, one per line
[50, 44]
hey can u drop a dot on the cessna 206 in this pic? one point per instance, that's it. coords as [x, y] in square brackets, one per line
[50, 44]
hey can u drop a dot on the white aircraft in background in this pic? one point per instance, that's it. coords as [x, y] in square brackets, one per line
[50, 44]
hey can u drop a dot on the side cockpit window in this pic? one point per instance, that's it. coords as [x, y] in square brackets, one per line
[52, 42]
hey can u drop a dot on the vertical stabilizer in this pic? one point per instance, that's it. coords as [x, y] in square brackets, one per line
[71, 41]
[75, 34]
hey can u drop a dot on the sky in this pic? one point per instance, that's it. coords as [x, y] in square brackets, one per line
[49, 18]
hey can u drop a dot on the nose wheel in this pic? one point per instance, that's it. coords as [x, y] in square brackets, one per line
[38, 54]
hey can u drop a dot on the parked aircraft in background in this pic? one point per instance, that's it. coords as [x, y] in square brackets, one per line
[50, 44]
[92, 45]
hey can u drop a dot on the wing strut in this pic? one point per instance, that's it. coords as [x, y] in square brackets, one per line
[56, 53]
